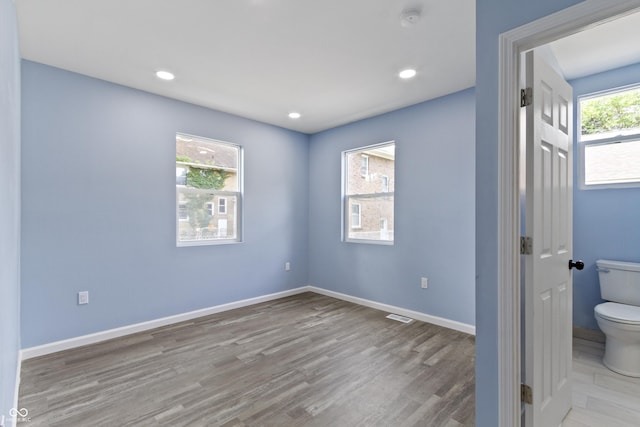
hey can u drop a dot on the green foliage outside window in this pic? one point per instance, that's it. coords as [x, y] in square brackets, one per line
[199, 217]
[611, 112]
[210, 179]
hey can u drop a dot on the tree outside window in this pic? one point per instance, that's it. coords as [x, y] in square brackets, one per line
[208, 174]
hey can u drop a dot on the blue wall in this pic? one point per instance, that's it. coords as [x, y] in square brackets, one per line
[606, 222]
[9, 205]
[492, 18]
[98, 213]
[434, 210]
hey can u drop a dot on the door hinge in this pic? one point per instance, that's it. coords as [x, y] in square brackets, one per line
[526, 394]
[526, 245]
[526, 96]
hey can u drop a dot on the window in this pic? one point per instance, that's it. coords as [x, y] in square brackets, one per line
[356, 217]
[364, 165]
[385, 184]
[609, 139]
[182, 211]
[208, 173]
[368, 204]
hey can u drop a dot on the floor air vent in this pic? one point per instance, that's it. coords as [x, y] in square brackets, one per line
[400, 318]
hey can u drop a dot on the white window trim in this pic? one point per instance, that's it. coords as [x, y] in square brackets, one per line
[211, 207]
[385, 185]
[239, 194]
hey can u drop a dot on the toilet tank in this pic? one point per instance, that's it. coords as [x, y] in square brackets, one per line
[619, 281]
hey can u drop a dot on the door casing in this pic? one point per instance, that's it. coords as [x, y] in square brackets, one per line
[511, 44]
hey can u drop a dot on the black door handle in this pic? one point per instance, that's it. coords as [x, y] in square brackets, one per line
[578, 264]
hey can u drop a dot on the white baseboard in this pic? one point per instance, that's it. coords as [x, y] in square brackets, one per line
[41, 350]
[440, 321]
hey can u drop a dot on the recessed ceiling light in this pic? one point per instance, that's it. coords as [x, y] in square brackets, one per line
[165, 75]
[294, 115]
[407, 74]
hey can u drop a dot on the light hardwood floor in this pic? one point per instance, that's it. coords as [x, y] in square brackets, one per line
[306, 360]
[601, 398]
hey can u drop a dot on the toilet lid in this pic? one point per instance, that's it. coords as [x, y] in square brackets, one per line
[621, 313]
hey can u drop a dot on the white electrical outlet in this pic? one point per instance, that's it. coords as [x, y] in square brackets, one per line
[424, 283]
[83, 297]
[287, 266]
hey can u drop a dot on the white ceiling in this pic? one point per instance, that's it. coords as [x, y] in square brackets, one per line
[334, 61]
[607, 46]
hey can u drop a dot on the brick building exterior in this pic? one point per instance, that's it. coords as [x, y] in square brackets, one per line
[369, 193]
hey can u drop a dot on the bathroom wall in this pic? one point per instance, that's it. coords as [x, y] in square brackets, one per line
[98, 214]
[606, 222]
[434, 211]
[9, 206]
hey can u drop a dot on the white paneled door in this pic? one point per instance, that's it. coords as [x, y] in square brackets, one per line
[548, 283]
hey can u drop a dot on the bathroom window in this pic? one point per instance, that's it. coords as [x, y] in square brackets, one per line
[609, 139]
[368, 194]
[208, 191]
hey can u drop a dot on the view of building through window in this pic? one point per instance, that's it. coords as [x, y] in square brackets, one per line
[610, 138]
[208, 197]
[369, 177]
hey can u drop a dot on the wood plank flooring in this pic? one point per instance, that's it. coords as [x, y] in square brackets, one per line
[305, 360]
[601, 397]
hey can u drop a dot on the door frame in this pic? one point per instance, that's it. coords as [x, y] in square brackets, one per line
[511, 44]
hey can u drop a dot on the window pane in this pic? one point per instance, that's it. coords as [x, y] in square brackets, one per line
[364, 165]
[613, 163]
[380, 161]
[355, 215]
[369, 185]
[197, 222]
[207, 185]
[610, 115]
[374, 220]
[206, 164]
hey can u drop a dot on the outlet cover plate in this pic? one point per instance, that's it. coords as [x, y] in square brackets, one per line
[83, 297]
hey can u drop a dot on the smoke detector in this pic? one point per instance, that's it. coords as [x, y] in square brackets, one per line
[409, 17]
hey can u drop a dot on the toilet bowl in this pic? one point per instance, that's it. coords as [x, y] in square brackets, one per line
[621, 326]
[619, 318]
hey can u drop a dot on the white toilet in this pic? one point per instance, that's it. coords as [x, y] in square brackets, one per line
[619, 318]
